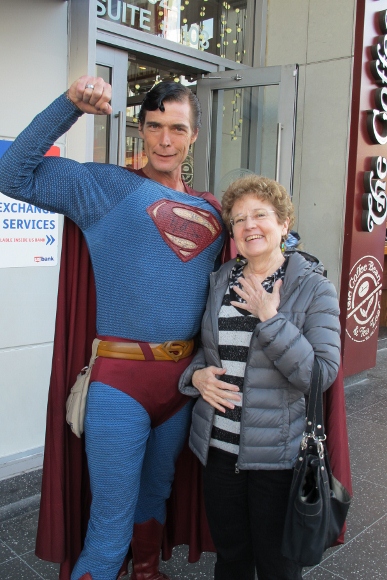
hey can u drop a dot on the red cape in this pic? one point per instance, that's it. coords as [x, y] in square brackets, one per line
[65, 500]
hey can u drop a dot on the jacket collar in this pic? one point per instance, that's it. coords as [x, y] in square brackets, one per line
[300, 264]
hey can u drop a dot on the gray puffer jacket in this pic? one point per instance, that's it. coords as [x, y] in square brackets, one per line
[279, 365]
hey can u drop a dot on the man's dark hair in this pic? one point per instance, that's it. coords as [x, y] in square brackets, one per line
[167, 91]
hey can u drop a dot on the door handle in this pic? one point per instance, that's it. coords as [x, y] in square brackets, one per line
[278, 152]
[120, 117]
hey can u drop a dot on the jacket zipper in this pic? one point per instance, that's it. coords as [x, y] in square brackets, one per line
[215, 327]
[215, 331]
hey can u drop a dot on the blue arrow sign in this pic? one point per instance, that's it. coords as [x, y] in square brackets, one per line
[50, 240]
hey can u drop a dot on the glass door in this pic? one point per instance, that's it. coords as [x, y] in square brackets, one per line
[248, 119]
[116, 137]
[248, 125]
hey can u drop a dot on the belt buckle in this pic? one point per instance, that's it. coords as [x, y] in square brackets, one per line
[171, 346]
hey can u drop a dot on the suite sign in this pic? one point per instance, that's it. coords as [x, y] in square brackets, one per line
[127, 13]
[374, 199]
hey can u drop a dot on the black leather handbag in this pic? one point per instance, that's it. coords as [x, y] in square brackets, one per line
[318, 502]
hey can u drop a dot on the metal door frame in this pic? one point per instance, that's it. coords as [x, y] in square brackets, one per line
[207, 92]
[161, 50]
[117, 60]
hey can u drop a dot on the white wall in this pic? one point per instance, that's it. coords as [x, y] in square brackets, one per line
[319, 37]
[33, 69]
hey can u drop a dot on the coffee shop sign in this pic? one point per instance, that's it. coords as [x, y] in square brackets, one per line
[374, 199]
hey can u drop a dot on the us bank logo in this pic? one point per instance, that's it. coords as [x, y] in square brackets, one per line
[44, 259]
[363, 301]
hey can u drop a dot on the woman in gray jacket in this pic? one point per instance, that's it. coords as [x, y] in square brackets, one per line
[269, 314]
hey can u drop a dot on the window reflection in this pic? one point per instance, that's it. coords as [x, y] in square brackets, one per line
[208, 25]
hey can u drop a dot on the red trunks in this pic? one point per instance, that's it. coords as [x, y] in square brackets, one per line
[154, 384]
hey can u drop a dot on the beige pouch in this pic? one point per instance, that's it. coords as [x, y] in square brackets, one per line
[76, 401]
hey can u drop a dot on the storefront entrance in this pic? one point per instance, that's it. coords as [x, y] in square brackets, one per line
[248, 118]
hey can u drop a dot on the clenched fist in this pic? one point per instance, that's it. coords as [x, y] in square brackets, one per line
[91, 95]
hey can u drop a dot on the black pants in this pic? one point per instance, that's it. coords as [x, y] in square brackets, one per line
[246, 514]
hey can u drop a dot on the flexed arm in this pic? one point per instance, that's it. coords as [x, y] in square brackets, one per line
[55, 184]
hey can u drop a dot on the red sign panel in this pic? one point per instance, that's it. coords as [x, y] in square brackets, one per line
[366, 207]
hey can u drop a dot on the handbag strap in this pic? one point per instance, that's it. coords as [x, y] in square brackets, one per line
[314, 416]
[94, 349]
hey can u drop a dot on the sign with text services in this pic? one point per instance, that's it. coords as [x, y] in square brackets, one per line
[28, 234]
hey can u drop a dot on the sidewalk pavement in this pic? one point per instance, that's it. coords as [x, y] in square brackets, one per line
[362, 557]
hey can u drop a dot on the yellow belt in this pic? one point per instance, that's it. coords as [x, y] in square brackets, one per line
[170, 350]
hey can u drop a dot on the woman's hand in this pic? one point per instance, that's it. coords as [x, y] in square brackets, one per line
[218, 393]
[259, 302]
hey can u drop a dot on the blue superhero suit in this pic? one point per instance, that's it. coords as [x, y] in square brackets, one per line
[152, 250]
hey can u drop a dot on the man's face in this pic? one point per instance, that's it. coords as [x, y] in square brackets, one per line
[167, 136]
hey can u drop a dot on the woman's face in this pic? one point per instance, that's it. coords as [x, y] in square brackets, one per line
[256, 239]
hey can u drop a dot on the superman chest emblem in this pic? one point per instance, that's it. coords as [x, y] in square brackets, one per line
[187, 230]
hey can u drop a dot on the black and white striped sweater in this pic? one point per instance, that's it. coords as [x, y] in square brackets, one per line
[235, 329]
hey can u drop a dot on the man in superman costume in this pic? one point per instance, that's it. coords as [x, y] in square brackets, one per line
[152, 247]
[153, 243]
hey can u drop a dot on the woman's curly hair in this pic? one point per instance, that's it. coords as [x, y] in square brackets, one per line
[265, 189]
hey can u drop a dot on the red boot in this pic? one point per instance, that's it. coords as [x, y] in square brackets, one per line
[146, 545]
